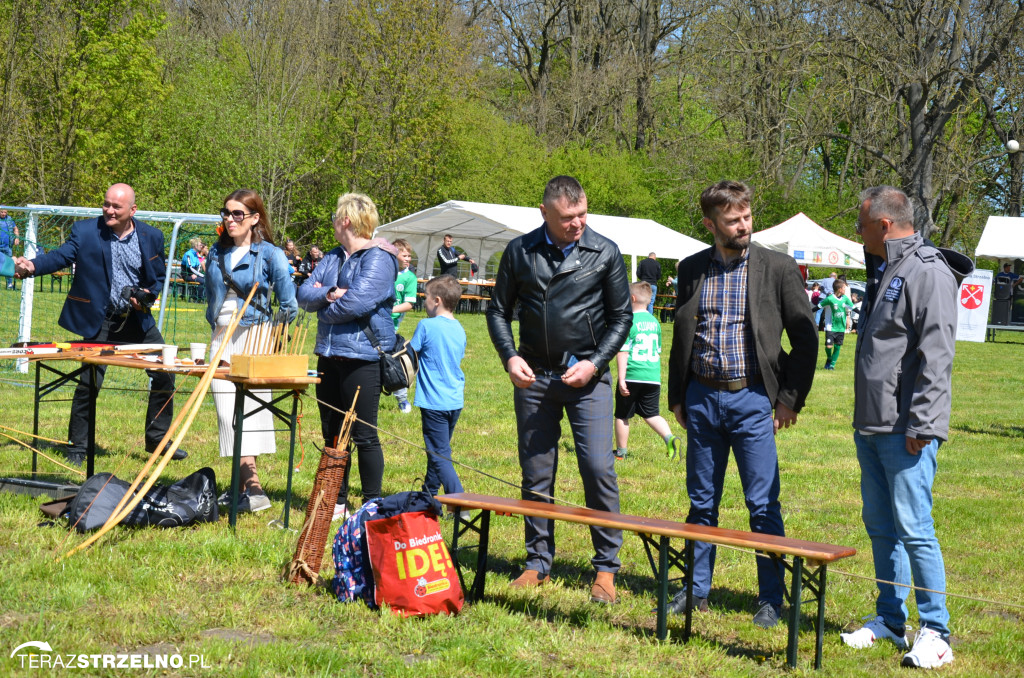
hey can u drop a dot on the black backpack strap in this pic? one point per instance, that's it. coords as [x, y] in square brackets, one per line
[230, 282]
[371, 336]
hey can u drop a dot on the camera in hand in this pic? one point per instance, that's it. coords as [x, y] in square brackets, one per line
[145, 298]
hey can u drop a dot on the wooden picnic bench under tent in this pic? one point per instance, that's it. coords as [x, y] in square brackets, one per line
[807, 561]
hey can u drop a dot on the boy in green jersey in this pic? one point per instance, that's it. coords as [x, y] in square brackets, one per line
[639, 363]
[838, 301]
[405, 297]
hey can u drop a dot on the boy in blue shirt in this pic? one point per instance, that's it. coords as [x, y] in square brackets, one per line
[405, 297]
[440, 343]
[639, 389]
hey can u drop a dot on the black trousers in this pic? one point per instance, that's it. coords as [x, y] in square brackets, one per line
[160, 410]
[339, 380]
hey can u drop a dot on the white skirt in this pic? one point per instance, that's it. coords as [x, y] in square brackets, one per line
[257, 429]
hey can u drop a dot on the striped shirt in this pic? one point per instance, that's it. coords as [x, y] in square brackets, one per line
[723, 345]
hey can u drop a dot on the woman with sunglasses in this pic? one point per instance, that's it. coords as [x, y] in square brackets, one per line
[352, 289]
[243, 255]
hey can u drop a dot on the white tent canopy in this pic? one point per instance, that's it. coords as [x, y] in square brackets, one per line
[481, 229]
[1003, 238]
[810, 244]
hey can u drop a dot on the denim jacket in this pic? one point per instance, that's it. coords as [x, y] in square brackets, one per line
[264, 263]
[369, 276]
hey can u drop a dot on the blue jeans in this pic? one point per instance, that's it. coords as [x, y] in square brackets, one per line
[650, 304]
[742, 420]
[539, 410]
[896, 490]
[438, 427]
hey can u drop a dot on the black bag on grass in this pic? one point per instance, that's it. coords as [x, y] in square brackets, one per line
[192, 499]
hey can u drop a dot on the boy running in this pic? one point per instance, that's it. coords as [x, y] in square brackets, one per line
[838, 302]
[639, 367]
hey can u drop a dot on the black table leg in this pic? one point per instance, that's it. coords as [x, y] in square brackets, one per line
[236, 457]
[91, 444]
[35, 421]
[292, 423]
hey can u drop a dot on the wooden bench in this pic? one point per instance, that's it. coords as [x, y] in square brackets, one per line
[58, 277]
[807, 565]
[188, 290]
[473, 302]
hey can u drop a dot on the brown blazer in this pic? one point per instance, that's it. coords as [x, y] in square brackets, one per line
[776, 301]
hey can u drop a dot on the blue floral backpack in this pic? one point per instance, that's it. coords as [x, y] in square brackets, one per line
[353, 578]
[353, 574]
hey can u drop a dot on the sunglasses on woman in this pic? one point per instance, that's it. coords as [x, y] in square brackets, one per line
[236, 215]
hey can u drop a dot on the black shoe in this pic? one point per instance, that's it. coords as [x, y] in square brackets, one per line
[767, 616]
[678, 605]
[75, 456]
[178, 455]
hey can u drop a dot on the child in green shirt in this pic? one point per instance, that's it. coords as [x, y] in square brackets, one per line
[639, 367]
[405, 297]
[838, 301]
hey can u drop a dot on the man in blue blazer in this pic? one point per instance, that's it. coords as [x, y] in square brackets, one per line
[111, 253]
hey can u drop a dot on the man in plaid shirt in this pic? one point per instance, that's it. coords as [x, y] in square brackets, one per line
[728, 373]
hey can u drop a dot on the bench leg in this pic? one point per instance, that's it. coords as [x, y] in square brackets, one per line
[819, 628]
[663, 588]
[689, 589]
[666, 559]
[482, 526]
[481, 555]
[794, 611]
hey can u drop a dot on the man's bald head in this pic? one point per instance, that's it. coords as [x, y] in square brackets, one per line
[125, 192]
[119, 207]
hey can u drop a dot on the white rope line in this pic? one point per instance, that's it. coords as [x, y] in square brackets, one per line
[453, 461]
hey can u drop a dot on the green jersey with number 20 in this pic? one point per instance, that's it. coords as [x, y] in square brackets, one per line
[643, 349]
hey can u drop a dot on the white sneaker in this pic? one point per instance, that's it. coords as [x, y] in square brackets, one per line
[404, 407]
[930, 651]
[866, 635]
[340, 512]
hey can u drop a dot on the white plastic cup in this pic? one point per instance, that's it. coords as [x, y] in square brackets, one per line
[198, 352]
[169, 353]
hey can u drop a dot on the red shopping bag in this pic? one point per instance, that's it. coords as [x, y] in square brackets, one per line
[412, 569]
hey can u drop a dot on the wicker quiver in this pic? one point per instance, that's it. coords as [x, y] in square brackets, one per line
[309, 552]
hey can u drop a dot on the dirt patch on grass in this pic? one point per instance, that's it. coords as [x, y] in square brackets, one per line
[237, 636]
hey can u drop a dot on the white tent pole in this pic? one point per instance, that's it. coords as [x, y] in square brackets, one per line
[431, 255]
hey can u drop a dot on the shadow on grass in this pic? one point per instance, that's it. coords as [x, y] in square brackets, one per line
[725, 604]
[996, 429]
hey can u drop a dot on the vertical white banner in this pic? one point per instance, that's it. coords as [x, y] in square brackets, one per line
[975, 300]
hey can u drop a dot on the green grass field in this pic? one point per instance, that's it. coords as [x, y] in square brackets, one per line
[209, 592]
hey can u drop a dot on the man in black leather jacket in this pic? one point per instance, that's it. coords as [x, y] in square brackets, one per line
[574, 316]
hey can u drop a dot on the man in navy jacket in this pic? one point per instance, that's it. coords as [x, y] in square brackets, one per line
[111, 253]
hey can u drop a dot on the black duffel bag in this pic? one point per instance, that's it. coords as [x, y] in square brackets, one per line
[192, 499]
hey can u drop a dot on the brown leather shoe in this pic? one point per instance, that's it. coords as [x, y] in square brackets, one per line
[529, 579]
[603, 590]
